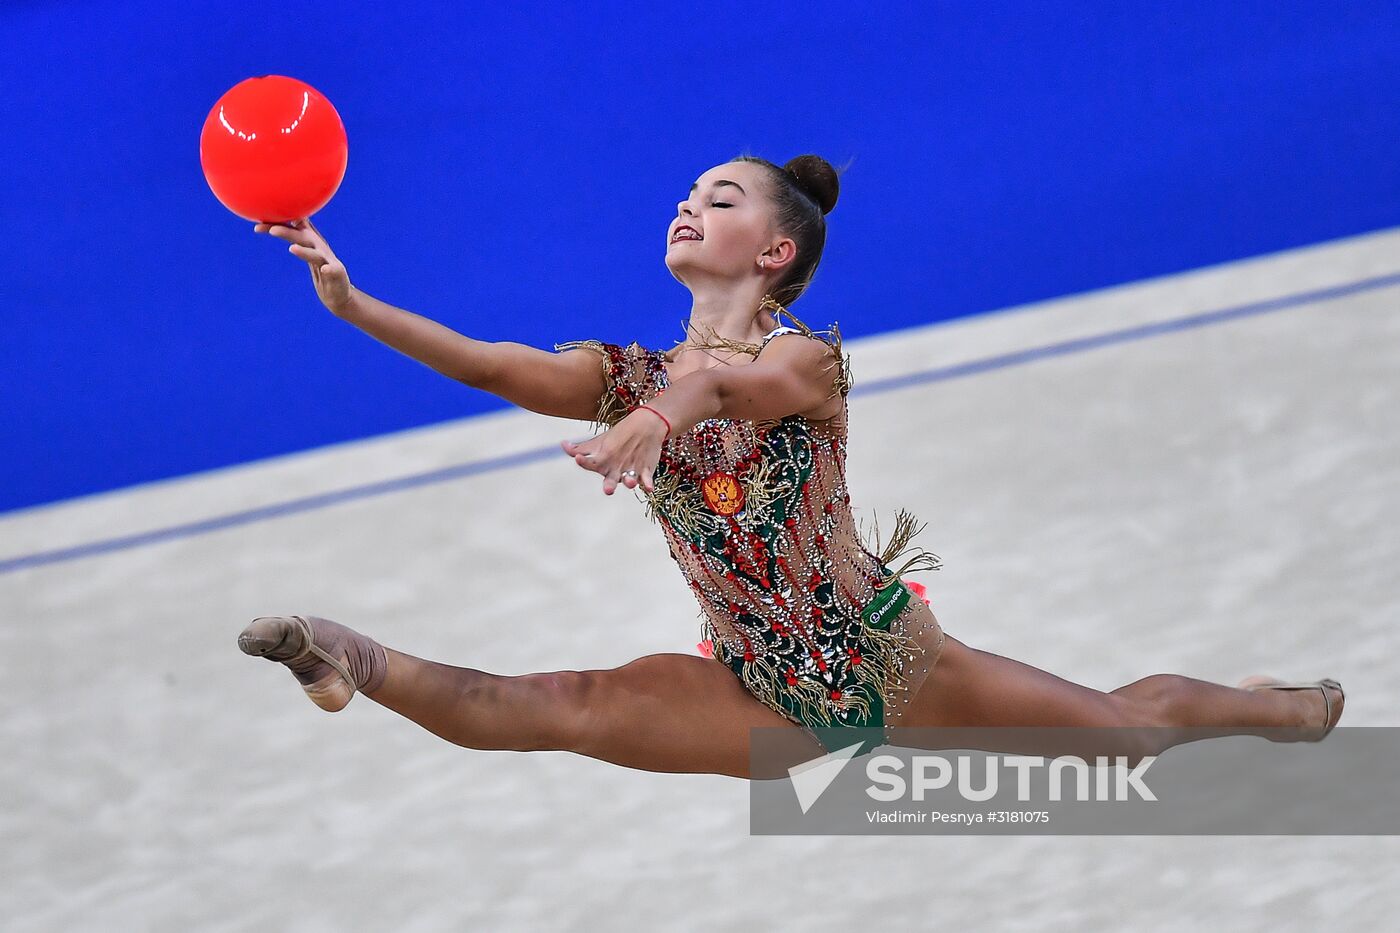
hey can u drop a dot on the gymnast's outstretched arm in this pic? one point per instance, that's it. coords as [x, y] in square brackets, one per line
[563, 385]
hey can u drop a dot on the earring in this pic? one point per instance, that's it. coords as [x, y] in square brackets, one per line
[763, 264]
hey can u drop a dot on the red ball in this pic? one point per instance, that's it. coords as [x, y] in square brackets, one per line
[273, 149]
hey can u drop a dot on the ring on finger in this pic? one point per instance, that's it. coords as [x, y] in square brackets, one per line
[629, 472]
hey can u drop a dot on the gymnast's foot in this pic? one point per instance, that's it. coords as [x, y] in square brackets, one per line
[329, 660]
[1316, 710]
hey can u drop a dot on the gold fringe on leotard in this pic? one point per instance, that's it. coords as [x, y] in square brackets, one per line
[853, 701]
[685, 506]
[681, 503]
[841, 382]
[883, 655]
[760, 491]
[611, 410]
[904, 531]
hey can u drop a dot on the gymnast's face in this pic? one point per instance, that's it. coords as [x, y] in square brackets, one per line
[728, 208]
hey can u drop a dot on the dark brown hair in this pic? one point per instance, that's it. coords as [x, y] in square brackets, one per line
[803, 191]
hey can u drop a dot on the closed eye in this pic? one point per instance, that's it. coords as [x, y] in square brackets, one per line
[721, 204]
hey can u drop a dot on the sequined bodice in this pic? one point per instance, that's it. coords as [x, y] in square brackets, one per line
[758, 517]
[759, 521]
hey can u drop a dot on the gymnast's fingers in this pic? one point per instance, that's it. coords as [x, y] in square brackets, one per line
[290, 234]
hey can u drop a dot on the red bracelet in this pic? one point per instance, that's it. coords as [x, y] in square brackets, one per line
[659, 415]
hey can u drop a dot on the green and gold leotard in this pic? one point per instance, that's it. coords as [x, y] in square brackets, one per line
[758, 517]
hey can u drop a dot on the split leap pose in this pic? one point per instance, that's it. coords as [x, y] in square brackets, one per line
[736, 438]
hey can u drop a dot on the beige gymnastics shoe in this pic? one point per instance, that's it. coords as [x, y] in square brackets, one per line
[330, 661]
[1260, 682]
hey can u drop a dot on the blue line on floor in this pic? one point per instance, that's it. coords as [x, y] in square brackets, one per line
[939, 374]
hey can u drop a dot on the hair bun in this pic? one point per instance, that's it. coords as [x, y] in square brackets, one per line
[815, 176]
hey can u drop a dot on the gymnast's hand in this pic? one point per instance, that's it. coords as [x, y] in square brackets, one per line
[634, 443]
[328, 274]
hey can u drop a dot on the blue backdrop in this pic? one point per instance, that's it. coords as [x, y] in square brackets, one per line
[513, 171]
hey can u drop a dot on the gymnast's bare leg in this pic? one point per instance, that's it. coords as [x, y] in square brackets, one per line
[970, 687]
[683, 713]
[661, 712]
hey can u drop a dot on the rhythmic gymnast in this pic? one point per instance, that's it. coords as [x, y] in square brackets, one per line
[736, 438]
